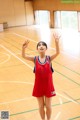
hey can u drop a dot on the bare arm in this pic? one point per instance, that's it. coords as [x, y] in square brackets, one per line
[24, 46]
[56, 37]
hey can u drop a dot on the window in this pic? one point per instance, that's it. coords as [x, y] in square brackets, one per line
[42, 17]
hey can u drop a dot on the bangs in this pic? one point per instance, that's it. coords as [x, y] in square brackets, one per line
[43, 43]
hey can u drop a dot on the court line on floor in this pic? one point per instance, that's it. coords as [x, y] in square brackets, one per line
[68, 78]
[17, 100]
[74, 118]
[24, 37]
[66, 67]
[60, 100]
[16, 56]
[19, 82]
[4, 61]
[57, 116]
[68, 98]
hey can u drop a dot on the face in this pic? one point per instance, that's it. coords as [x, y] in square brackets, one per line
[41, 47]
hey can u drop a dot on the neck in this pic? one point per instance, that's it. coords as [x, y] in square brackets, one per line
[42, 55]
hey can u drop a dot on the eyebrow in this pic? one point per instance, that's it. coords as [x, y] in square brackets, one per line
[42, 43]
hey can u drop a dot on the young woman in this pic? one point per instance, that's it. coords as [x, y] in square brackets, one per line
[43, 87]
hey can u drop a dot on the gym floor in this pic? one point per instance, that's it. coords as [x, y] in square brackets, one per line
[17, 77]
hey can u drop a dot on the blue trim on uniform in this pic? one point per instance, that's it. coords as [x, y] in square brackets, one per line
[50, 64]
[35, 65]
[47, 57]
[52, 68]
[40, 61]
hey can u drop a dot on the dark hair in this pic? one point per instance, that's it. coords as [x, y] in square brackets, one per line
[42, 43]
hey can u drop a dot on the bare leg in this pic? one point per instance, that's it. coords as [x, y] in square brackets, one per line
[41, 107]
[48, 107]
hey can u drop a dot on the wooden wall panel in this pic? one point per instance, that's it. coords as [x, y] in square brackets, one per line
[12, 12]
[29, 13]
[19, 11]
[7, 12]
[53, 5]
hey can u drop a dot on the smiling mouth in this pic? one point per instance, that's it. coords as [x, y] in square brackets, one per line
[41, 49]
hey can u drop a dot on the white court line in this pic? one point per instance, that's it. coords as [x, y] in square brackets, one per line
[16, 56]
[24, 37]
[18, 100]
[32, 68]
[49, 47]
[19, 82]
[60, 101]
[27, 53]
[4, 61]
[66, 53]
[57, 116]
[68, 98]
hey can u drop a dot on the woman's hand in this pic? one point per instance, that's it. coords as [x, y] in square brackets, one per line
[56, 37]
[25, 44]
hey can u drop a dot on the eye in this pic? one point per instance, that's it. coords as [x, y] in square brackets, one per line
[43, 44]
[39, 44]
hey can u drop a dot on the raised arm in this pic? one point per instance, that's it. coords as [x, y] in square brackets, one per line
[24, 46]
[56, 37]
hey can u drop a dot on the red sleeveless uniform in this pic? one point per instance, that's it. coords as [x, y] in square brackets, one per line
[43, 85]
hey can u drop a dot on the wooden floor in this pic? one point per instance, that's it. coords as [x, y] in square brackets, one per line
[17, 78]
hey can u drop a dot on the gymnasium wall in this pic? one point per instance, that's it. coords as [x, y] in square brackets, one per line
[20, 12]
[53, 5]
[16, 12]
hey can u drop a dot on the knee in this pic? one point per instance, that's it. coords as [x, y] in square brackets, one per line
[41, 107]
[48, 107]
